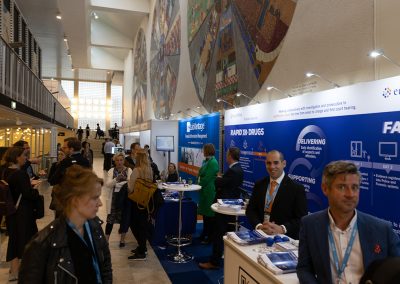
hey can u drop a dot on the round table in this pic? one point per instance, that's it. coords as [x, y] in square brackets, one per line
[221, 210]
[180, 256]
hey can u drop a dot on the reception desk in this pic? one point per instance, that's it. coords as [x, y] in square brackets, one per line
[166, 222]
[241, 266]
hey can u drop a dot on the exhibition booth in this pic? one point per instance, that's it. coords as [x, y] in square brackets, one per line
[358, 123]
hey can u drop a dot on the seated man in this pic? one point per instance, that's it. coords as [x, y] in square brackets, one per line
[277, 203]
[338, 243]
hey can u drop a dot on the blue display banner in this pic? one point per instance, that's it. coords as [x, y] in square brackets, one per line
[370, 140]
[193, 134]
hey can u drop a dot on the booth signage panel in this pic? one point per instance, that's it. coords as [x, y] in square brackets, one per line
[359, 123]
[193, 134]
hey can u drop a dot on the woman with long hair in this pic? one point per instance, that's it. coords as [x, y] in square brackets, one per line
[207, 175]
[171, 174]
[139, 224]
[72, 248]
[117, 177]
[21, 225]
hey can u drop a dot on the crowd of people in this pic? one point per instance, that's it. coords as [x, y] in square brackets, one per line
[74, 246]
[336, 245]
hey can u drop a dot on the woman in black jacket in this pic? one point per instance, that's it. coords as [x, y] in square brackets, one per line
[21, 225]
[73, 248]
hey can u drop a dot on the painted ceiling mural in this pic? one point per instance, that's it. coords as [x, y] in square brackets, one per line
[233, 45]
[164, 56]
[140, 79]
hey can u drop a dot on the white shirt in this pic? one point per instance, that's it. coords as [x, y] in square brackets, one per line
[355, 266]
[278, 181]
[108, 147]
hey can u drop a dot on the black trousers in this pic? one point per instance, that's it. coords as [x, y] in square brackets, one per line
[208, 227]
[107, 161]
[139, 226]
[222, 225]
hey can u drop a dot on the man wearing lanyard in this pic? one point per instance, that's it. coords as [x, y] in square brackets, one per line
[277, 202]
[338, 243]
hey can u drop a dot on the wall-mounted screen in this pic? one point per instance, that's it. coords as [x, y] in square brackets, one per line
[165, 143]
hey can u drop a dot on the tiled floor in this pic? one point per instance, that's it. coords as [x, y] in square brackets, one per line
[124, 270]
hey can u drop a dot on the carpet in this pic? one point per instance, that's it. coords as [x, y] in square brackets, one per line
[184, 273]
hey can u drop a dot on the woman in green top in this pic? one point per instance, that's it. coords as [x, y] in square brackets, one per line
[207, 174]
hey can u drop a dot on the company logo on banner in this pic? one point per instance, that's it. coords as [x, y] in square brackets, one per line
[193, 134]
[350, 123]
[194, 126]
[386, 92]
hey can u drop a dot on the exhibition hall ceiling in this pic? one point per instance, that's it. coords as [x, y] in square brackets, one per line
[99, 35]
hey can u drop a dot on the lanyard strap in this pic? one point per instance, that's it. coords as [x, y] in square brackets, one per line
[91, 247]
[347, 252]
[270, 198]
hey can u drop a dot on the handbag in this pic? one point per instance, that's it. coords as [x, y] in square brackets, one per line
[143, 191]
[38, 207]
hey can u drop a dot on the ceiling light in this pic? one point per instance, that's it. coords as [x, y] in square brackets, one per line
[95, 16]
[375, 53]
[269, 88]
[238, 94]
[221, 100]
[58, 16]
[309, 74]
[379, 52]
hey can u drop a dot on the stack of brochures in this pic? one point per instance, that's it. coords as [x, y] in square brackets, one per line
[231, 205]
[279, 262]
[286, 246]
[248, 237]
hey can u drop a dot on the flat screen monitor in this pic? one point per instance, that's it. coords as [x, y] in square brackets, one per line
[165, 143]
[115, 150]
[388, 150]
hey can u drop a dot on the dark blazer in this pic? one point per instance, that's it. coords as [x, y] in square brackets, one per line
[74, 159]
[377, 241]
[289, 206]
[228, 185]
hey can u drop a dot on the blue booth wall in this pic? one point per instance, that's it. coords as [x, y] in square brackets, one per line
[359, 123]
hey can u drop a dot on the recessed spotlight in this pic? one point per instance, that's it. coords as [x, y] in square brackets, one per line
[58, 16]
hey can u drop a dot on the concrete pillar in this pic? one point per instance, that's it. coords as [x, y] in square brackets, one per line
[108, 107]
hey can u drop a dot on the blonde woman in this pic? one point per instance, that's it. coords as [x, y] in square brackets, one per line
[117, 177]
[139, 217]
[72, 248]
